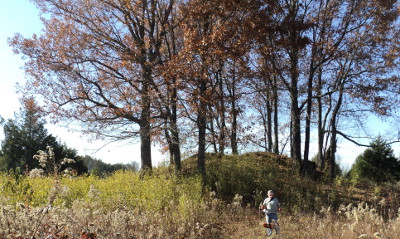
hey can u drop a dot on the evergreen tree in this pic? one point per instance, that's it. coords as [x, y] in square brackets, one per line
[25, 135]
[377, 163]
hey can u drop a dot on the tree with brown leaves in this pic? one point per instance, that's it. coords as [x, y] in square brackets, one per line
[96, 62]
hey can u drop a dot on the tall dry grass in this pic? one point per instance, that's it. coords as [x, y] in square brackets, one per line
[351, 221]
[128, 205]
[123, 205]
[212, 218]
[89, 220]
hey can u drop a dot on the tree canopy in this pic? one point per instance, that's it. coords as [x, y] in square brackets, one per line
[219, 75]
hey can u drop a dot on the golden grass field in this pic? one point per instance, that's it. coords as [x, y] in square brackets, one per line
[162, 205]
[125, 205]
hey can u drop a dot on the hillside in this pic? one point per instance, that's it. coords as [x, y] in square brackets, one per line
[338, 209]
[251, 175]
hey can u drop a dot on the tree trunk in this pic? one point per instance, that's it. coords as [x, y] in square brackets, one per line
[276, 123]
[169, 142]
[294, 51]
[234, 143]
[145, 136]
[296, 134]
[264, 124]
[201, 121]
[269, 126]
[171, 127]
[295, 111]
[213, 134]
[320, 125]
[145, 139]
[174, 129]
[221, 140]
[333, 142]
[308, 115]
[176, 147]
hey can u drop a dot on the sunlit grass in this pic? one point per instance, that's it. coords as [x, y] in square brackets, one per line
[163, 205]
[123, 204]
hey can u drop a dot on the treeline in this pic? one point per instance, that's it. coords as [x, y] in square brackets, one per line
[217, 76]
[100, 168]
[28, 147]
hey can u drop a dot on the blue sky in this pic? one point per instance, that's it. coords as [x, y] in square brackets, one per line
[21, 16]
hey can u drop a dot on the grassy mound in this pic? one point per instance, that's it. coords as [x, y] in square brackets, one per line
[251, 175]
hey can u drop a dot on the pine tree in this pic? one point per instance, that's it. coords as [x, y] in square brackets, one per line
[24, 136]
[377, 163]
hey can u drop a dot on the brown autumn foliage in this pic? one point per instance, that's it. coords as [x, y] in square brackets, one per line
[96, 62]
[196, 74]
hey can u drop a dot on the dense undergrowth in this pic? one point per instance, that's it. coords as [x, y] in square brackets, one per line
[163, 205]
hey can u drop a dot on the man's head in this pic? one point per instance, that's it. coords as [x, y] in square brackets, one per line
[271, 194]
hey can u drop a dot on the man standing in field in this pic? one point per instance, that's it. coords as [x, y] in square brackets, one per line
[271, 207]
